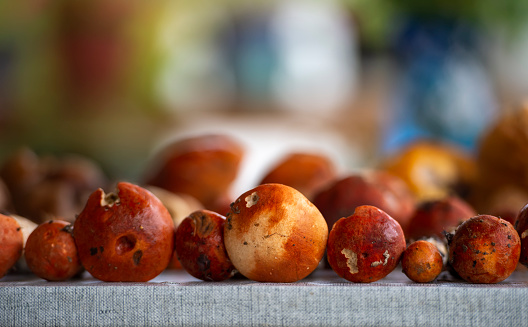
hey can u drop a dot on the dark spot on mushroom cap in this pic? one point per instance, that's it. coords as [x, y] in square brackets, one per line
[204, 264]
[202, 222]
[68, 228]
[448, 236]
[233, 208]
[93, 251]
[137, 257]
[229, 225]
[474, 263]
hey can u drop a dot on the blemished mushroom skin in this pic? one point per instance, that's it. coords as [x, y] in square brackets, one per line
[199, 246]
[484, 249]
[51, 252]
[124, 236]
[273, 233]
[366, 246]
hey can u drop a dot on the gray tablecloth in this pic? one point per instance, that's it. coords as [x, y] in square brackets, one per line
[323, 299]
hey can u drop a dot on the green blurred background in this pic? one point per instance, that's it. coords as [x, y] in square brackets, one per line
[115, 79]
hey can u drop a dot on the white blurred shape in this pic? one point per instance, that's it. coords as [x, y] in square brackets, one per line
[317, 55]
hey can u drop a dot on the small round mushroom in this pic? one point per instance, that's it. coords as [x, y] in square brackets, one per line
[51, 252]
[422, 262]
[11, 243]
[199, 245]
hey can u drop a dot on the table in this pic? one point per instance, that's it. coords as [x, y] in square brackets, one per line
[323, 299]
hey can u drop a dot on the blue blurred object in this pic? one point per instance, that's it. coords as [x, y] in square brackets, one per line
[250, 54]
[296, 55]
[443, 91]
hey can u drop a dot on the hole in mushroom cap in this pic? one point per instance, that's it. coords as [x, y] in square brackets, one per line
[137, 257]
[108, 200]
[125, 244]
[251, 199]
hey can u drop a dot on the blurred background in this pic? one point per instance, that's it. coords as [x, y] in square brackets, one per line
[358, 80]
